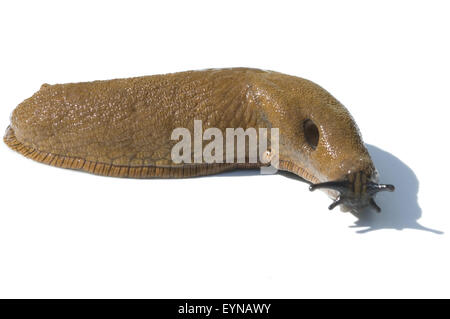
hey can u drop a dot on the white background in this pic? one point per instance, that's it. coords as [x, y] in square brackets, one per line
[69, 234]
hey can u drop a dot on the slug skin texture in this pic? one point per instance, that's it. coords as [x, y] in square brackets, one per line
[123, 127]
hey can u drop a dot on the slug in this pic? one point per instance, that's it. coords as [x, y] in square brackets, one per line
[123, 128]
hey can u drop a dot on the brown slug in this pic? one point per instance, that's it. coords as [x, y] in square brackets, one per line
[123, 127]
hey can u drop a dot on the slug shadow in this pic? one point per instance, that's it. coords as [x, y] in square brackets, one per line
[400, 209]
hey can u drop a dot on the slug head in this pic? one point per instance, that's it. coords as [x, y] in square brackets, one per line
[320, 139]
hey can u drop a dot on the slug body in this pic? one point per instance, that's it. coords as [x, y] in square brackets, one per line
[123, 127]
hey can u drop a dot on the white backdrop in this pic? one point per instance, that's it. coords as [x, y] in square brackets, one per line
[68, 234]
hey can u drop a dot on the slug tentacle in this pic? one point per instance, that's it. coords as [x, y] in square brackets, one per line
[337, 185]
[356, 191]
[374, 188]
[337, 202]
[374, 205]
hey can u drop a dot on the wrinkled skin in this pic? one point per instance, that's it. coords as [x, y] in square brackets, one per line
[123, 127]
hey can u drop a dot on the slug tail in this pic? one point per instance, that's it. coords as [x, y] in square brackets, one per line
[105, 169]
